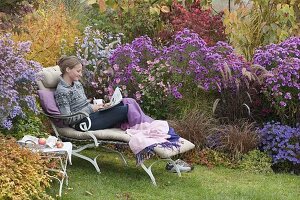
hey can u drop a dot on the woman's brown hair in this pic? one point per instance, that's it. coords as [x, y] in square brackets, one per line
[67, 61]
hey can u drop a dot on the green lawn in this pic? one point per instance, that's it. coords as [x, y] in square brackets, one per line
[120, 182]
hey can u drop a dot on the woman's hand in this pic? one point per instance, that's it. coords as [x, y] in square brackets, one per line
[97, 107]
[106, 105]
[90, 100]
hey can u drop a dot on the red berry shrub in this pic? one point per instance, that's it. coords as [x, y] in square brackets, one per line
[207, 25]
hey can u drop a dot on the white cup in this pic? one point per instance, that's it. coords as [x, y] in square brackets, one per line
[98, 101]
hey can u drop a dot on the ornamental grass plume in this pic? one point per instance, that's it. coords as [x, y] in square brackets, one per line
[18, 81]
[195, 126]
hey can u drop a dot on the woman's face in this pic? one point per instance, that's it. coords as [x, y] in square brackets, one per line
[75, 73]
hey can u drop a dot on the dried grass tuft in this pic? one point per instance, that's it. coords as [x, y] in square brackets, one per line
[236, 139]
[195, 126]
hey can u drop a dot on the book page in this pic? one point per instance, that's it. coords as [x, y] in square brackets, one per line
[28, 139]
[115, 99]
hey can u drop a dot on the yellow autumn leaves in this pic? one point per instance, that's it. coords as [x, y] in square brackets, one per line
[48, 29]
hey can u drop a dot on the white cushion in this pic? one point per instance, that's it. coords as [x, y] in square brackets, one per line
[106, 134]
[185, 146]
[49, 78]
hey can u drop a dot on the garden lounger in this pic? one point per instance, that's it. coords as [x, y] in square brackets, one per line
[89, 139]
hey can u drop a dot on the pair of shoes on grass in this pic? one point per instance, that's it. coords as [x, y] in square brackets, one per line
[182, 166]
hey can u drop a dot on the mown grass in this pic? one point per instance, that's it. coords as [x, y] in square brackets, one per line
[129, 182]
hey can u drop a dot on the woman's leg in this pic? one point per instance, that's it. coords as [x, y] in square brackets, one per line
[106, 118]
[135, 113]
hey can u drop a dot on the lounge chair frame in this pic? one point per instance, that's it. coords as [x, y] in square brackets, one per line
[93, 142]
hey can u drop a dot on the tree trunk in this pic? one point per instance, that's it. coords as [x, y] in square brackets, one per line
[102, 5]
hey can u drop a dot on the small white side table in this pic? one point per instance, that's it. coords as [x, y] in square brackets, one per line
[60, 155]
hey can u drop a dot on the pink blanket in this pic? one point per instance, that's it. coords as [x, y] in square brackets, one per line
[146, 133]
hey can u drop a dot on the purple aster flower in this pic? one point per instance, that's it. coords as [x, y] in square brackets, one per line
[18, 81]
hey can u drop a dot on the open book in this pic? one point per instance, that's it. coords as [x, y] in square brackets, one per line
[115, 99]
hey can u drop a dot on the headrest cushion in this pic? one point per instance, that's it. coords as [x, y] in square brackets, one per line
[50, 76]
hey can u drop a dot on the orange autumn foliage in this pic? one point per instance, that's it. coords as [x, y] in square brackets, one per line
[49, 30]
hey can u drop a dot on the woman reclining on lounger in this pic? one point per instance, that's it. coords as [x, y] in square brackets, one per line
[70, 98]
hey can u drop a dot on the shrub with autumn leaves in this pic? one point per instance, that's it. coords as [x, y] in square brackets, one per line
[49, 29]
[22, 174]
[12, 12]
[204, 22]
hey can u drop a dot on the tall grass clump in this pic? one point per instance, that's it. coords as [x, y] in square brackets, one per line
[261, 23]
[195, 126]
[234, 139]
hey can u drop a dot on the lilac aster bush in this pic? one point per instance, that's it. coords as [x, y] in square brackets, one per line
[281, 141]
[134, 65]
[142, 75]
[272, 55]
[152, 88]
[282, 88]
[189, 59]
[94, 50]
[129, 66]
[130, 58]
[188, 64]
[17, 83]
[216, 69]
[211, 68]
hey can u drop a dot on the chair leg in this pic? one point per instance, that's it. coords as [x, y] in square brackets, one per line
[93, 161]
[148, 170]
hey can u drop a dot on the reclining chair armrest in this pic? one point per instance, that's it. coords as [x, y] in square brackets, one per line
[68, 119]
[85, 114]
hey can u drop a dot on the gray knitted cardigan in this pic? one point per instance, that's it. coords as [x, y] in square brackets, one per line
[71, 99]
